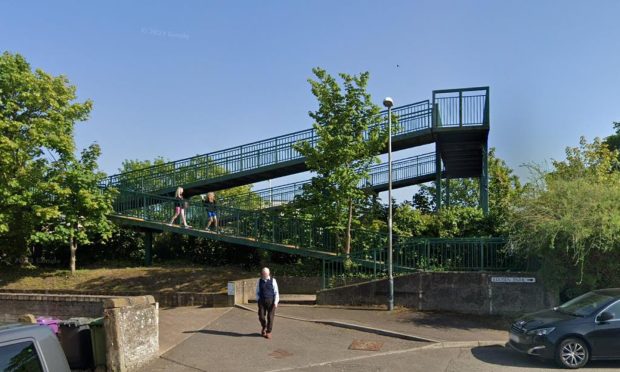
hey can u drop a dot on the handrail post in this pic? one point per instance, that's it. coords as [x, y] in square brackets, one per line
[273, 228]
[487, 119]
[481, 255]
[323, 284]
[144, 210]
[374, 263]
[460, 108]
[437, 177]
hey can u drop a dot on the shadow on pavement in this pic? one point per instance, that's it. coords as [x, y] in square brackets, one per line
[507, 357]
[225, 333]
[446, 320]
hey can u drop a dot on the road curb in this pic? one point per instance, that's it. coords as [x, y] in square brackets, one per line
[357, 327]
[462, 344]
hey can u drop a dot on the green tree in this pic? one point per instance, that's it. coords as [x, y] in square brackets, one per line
[504, 188]
[570, 216]
[38, 113]
[81, 206]
[131, 165]
[350, 136]
[411, 222]
[613, 141]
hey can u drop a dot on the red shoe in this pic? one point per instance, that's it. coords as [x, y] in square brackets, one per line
[268, 336]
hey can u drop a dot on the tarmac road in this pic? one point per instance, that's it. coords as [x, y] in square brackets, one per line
[230, 341]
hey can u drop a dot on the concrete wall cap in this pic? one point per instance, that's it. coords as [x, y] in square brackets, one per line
[112, 303]
[117, 302]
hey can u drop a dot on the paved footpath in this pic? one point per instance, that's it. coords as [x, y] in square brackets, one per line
[436, 326]
[202, 339]
[233, 343]
[175, 323]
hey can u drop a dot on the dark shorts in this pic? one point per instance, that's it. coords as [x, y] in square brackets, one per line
[211, 214]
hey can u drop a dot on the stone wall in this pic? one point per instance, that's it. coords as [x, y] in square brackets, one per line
[164, 298]
[298, 285]
[131, 324]
[132, 332]
[244, 291]
[12, 305]
[464, 292]
[76, 298]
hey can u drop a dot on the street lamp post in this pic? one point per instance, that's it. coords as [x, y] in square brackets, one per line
[388, 102]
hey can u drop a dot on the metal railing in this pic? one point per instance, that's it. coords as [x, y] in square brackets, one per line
[368, 248]
[461, 107]
[427, 254]
[402, 170]
[448, 108]
[411, 118]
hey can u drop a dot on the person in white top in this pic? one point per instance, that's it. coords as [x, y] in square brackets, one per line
[267, 296]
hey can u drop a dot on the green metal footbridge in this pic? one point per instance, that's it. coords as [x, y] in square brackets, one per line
[271, 231]
[457, 121]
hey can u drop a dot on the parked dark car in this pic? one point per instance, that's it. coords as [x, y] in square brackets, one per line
[31, 348]
[583, 329]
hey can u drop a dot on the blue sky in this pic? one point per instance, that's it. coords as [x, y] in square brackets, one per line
[179, 78]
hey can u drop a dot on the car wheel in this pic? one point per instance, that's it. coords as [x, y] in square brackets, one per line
[572, 353]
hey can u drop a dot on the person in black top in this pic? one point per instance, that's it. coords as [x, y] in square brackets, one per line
[211, 207]
[179, 207]
[268, 297]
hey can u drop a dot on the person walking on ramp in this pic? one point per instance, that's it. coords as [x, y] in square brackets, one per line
[267, 296]
[180, 204]
[211, 206]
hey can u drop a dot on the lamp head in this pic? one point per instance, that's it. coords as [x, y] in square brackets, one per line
[388, 102]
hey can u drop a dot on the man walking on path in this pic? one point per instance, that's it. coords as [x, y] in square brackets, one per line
[267, 296]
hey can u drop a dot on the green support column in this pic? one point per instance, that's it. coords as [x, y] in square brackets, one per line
[148, 248]
[484, 180]
[447, 191]
[438, 177]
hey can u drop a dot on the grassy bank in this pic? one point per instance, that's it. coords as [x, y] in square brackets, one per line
[184, 278]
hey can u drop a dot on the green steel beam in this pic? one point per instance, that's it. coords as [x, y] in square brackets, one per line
[148, 247]
[484, 180]
[448, 192]
[437, 178]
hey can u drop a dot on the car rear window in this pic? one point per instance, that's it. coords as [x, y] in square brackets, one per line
[19, 357]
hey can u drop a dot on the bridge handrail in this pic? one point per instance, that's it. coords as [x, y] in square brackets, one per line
[410, 111]
[305, 234]
[403, 169]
